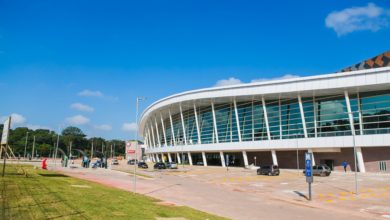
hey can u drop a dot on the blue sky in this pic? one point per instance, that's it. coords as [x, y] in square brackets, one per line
[85, 62]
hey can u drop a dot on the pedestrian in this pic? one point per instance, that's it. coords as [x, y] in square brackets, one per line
[65, 161]
[44, 164]
[345, 164]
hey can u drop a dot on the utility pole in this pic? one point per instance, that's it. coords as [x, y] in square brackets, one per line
[55, 154]
[25, 146]
[92, 150]
[32, 152]
[136, 144]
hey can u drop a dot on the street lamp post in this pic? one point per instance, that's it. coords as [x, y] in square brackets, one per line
[25, 146]
[136, 145]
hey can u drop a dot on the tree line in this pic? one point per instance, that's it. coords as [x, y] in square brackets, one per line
[70, 137]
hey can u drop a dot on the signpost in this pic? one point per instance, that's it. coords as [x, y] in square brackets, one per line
[309, 171]
[4, 141]
[227, 162]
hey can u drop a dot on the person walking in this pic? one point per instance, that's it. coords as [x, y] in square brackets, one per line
[345, 164]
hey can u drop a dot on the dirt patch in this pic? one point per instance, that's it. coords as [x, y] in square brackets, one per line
[164, 203]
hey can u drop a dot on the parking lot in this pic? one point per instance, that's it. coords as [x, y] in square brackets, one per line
[237, 192]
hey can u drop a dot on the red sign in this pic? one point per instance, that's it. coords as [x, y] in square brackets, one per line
[131, 151]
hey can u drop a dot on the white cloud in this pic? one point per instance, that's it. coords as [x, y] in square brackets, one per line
[82, 107]
[90, 93]
[98, 94]
[77, 120]
[287, 76]
[103, 127]
[227, 82]
[369, 18]
[16, 119]
[132, 127]
[35, 127]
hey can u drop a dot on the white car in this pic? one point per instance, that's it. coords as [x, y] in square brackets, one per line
[114, 162]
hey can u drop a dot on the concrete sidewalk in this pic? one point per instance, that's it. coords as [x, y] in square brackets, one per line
[224, 200]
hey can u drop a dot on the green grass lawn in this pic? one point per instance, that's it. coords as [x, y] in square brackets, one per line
[49, 195]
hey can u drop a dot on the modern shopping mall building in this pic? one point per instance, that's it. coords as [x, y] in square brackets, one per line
[276, 122]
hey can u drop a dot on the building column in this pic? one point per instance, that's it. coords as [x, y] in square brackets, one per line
[157, 157]
[169, 157]
[274, 158]
[360, 161]
[313, 161]
[204, 159]
[154, 140]
[222, 159]
[266, 118]
[237, 120]
[302, 116]
[189, 158]
[163, 128]
[214, 122]
[182, 123]
[162, 158]
[158, 133]
[178, 158]
[245, 156]
[172, 129]
[197, 125]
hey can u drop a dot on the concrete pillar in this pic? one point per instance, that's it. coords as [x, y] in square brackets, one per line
[169, 157]
[274, 158]
[204, 159]
[245, 156]
[157, 157]
[189, 158]
[313, 162]
[222, 159]
[162, 158]
[360, 161]
[178, 158]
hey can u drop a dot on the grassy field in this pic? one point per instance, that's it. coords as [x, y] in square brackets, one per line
[48, 195]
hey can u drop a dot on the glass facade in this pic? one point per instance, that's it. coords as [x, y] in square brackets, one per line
[325, 116]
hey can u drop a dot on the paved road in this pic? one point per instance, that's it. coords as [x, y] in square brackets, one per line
[210, 190]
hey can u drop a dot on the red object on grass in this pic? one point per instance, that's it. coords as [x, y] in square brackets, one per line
[44, 165]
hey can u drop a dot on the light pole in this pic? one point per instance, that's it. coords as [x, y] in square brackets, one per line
[136, 144]
[354, 156]
[25, 145]
[354, 149]
[56, 150]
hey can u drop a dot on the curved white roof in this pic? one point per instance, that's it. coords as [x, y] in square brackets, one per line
[362, 80]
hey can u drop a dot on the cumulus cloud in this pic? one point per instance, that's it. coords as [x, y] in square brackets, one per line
[103, 127]
[132, 127]
[16, 119]
[367, 18]
[287, 76]
[97, 94]
[90, 93]
[82, 107]
[77, 120]
[35, 127]
[227, 82]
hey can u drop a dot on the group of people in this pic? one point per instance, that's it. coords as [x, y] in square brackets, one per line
[85, 162]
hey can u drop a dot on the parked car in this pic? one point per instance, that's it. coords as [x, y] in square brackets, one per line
[172, 165]
[159, 165]
[320, 170]
[270, 170]
[97, 164]
[114, 162]
[132, 162]
[143, 165]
